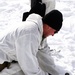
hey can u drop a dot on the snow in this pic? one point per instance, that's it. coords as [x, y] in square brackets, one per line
[62, 44]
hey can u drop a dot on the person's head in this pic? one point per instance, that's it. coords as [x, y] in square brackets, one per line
[52, 22]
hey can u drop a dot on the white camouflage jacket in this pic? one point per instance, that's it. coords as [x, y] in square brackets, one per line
[25, 45]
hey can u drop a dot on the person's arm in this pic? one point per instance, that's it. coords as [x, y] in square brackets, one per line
[45, 59]
[27, 45]
[26, 49]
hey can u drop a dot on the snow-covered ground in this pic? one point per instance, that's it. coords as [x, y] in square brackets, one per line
[62, 44]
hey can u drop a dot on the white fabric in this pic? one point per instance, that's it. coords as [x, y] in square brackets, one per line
[45, 59]
[22, 45]
[27, 46]
[50, 5]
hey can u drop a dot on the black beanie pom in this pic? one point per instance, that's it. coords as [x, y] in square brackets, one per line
[54, 19]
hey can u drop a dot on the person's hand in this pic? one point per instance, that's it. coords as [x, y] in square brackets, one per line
[39, 8]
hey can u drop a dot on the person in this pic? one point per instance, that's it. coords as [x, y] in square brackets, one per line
[50, 5]
[33, 2]
[27, 44]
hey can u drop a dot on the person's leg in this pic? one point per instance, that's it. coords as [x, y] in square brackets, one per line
[50, 5]
[25, 14]
[33, 2]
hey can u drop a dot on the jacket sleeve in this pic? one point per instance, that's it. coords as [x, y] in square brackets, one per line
[46, 60]
[7, 48]
[26, 49]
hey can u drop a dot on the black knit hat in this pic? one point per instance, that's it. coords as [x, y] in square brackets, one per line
[54, 19]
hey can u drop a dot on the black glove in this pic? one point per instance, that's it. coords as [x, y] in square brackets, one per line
[67, 74]
[25, 15]
[39, 8]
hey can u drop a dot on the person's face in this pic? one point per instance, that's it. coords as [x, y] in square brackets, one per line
[47, 30]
